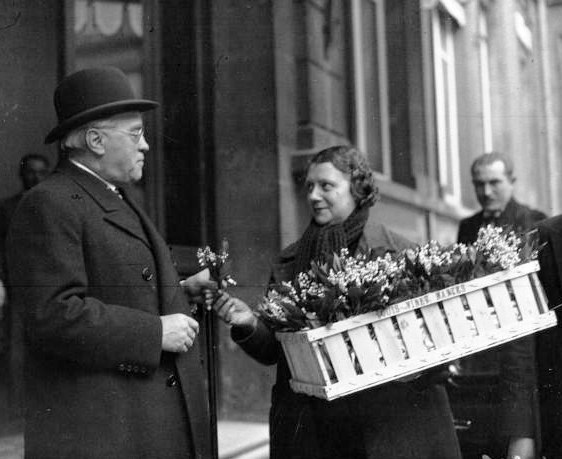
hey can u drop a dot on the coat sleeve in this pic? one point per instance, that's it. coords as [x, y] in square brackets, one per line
[516, 388]
[549, 274]
[260, 344]
[49, 277]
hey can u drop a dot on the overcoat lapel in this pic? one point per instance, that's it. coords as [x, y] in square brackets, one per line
[167, 278]
[116, 212]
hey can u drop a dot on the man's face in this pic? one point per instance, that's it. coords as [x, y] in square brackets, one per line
[34, 170]
[493, 188]
[123, 160]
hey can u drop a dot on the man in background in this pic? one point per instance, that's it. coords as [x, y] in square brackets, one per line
[494, 184]
[33, 169]
[513, 427]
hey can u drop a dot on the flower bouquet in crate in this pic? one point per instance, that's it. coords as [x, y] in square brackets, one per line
[350, 323]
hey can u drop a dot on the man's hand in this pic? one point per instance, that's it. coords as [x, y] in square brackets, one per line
[178, 332]
[196, 285]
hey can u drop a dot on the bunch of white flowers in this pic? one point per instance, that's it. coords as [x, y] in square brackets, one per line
[498, 248]
[275, 305]
[309, 288]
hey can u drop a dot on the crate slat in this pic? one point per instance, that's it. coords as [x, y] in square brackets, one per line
[480, 312]
[458, 323]
[525, 297]
[341, 361]
[366, 349]
[412, 334]
[436, 325]
[311, 365]
[542, 301]
[503, 304]
[304, 363]
[318, 353]
[386, 336]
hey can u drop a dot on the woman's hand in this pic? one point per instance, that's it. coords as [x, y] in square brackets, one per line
[234, 311]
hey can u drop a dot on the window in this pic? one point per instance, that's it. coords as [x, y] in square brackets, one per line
[483, 57]
[444, 26]
[109, 33]
[370, 82]
[380, 81]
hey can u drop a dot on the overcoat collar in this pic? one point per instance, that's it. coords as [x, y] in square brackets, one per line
[116, 211]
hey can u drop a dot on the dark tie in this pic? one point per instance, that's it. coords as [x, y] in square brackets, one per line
[491, 217]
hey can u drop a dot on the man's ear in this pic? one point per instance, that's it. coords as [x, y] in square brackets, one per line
[94, 141]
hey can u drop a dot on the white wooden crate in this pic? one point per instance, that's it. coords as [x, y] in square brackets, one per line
[409, 337]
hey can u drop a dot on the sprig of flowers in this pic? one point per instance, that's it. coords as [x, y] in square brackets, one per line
[342, 286]
[218, 264]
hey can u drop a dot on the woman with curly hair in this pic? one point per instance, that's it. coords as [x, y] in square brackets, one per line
[397, 420]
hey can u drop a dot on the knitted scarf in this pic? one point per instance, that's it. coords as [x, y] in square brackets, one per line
[321, 240]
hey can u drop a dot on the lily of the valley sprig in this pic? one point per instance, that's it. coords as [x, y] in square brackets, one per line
[342, 285]
[218, 264]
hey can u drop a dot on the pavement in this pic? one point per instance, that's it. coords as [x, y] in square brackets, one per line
[243, 440]
[237, 440]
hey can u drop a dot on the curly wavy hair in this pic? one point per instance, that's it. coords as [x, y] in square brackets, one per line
[352, 162]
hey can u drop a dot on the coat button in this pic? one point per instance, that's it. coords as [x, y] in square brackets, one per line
[147, 274]
[171, 380]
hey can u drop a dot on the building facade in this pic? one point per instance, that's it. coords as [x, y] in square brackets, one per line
[250, 89]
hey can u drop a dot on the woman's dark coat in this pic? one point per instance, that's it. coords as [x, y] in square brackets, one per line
[396, 420]
[91, 276]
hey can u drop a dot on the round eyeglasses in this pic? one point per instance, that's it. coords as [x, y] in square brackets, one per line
[135, 134]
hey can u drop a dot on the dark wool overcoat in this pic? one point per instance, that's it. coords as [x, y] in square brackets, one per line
[395, 421]
[91, 276]
[549, 342]
[517, 415]
[516, 216]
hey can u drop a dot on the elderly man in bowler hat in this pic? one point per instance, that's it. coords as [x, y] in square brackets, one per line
[113, 368]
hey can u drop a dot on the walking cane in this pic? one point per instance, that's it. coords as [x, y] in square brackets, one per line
[219, 269]
[212, 378]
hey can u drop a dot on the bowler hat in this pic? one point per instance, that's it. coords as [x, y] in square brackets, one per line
[92, 94]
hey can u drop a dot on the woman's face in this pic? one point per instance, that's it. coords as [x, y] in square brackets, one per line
[329, 194]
